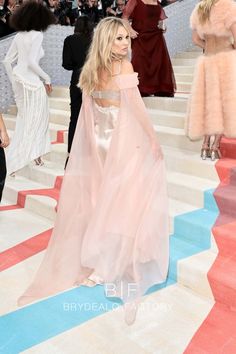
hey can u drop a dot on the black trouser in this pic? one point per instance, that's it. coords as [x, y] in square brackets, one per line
[75, 104]
[3, 171]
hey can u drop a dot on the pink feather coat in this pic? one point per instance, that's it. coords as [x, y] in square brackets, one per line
[212, 104]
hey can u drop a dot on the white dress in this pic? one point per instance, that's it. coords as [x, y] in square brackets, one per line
[31, 136]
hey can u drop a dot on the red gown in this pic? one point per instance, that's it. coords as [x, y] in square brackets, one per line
[150, 57]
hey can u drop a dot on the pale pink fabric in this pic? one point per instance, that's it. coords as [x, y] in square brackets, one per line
[113, 216]
[212, 104]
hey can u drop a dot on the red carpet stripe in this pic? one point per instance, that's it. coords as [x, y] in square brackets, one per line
[35, 244]
[60, 137]
[217, 333]
[9, 207]
[24, 250]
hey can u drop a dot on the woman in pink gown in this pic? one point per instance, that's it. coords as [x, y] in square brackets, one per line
[212, 104]
[150, 57]
[112, 221]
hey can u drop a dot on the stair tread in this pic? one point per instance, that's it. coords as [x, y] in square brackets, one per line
[59, 99]
[59, 111]
[176, 207]
[200, 260]
[190, 181]
[166, 113]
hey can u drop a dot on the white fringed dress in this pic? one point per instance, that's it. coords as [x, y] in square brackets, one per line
[31, 136]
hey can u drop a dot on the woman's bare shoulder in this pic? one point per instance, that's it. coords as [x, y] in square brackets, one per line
[126, 67]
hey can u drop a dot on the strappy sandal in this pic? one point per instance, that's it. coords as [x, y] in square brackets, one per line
[92, 281]
[205, 151]
[215, 153]
[39, 162]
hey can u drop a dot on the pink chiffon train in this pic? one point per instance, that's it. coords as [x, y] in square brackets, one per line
[112, 215]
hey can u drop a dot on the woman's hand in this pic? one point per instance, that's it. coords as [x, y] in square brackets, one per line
[48, 88]
[155, 150]
[133, 33]
[5, 141]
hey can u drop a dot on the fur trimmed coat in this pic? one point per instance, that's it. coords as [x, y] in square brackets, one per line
[212, 104]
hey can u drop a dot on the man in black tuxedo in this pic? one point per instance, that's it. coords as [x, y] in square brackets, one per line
[74, 54]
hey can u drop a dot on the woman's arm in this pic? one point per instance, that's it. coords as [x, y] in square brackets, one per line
[197, 40]
[127, 68]
[33, 58]
[3, 134]
[128, 10]
[10, 57]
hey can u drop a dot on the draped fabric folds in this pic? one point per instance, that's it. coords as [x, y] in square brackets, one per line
[112, 216]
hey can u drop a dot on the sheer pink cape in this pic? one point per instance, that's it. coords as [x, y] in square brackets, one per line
[111, 219]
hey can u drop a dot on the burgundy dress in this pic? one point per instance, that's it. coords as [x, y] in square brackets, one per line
[150, 56]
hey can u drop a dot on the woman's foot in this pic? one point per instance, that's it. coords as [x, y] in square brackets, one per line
[130, 309]
[92, 281]
[39, 162]
[215, 153]
[205, 151]
[215, 148]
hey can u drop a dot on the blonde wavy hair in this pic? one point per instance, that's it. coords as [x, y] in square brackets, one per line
[204, 9]
[100, 54]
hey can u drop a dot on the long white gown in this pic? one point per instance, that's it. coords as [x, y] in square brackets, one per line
[31, 136]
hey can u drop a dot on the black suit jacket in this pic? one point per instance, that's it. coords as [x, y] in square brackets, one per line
[74, 54]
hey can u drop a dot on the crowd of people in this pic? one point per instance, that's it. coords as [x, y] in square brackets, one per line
[67, 11]
[112, 219]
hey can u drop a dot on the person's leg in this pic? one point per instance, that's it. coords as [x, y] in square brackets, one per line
[75, 105]
[3, 171]
[205, 150]
[215, 147]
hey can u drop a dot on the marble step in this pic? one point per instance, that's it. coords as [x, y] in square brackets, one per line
[20, 225]
[186, 78]
[188, 55]
[45, 174]
[59, 103]
[188, 189]
[192, 273]
[184, 87]
[183, 69]
[189, 163]
[176, 138]
[183, 61]
[171, 104]
[60, 91]
[167, 118]
[38, 204]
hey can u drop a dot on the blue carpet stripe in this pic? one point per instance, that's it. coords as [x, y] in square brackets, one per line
[31, 325]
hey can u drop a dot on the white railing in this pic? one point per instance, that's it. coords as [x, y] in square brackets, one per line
[178, 38]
